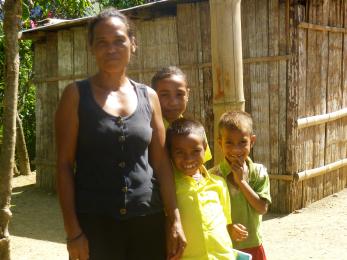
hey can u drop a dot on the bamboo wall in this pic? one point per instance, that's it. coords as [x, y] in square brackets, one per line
[320, 58]
[289, 73]
[265, 53]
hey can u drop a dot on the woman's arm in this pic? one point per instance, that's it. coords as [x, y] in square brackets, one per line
[66, 128]
[163, 169]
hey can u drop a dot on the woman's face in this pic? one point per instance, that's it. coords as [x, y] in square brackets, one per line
[111, 45]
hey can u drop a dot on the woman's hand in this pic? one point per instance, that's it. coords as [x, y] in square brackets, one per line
[176, 240]
[78, 248]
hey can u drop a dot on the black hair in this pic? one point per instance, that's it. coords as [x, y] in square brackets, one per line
[184, 127]
[165, 73]
[105, 14]
[236, 120]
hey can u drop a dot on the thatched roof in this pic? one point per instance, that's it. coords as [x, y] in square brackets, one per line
[145, 11]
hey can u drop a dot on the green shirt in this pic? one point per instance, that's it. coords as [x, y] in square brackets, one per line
[208, 154]
[205, 212]
[241, 211]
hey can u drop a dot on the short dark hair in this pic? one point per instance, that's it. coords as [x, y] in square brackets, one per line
[167, 72]
[105, 14]
[184, 127]
[236, 120]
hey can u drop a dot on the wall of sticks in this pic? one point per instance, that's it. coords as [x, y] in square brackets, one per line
[295, 84]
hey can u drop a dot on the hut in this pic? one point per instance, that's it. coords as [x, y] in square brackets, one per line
[294, 78]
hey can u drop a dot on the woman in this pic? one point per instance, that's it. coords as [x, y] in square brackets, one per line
[108, 129]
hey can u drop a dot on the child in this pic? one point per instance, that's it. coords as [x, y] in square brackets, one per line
[202, 199]
[248, 182]
[170, 83]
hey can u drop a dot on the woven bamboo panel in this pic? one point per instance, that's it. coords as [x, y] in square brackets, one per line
[289, 73]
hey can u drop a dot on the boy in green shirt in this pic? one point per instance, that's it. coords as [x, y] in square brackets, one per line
[248, 182]
[202, 199]
[170, 83]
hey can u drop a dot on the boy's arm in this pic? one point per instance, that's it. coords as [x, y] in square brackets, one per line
[238, 171]
[258, 203]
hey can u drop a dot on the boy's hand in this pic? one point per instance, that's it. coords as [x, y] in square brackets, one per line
[239, 232]
[238, 169]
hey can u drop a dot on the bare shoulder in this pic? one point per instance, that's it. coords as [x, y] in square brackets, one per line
[151, 92]
[68, 102]
[153, 98]
[70, 91]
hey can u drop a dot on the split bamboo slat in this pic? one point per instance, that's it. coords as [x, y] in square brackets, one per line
[302, 139]
[48, 99]
[292, 162]
[312, 83]
[322, 63]
[283, 65]
[331, 167]
[321, 119]
[322, 28]
[41, 90]
[273, 76]
[187, 32]
[207, 75]
[344, 99]
[258, 46]
[80, 53]
[245, 21]
[333, 129]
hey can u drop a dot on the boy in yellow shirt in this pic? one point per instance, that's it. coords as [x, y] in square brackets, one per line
[202, 199]
[170, 83]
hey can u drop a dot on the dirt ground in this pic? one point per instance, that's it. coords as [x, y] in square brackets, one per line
[317, 232]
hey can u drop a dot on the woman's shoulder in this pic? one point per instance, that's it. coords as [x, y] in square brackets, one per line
[71, 92]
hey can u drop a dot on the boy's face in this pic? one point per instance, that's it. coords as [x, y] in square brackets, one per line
[187, 153]
[235, 144]
[173, 97]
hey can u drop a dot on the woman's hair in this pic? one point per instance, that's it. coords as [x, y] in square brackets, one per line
[184, 127]
[236, 120]
[165, 73]
[105, 14]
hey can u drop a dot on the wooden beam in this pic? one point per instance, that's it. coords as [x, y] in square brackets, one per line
[321, 28]
[227, 63]
[308, 174]
[266, 59]
[58, 78]
[321, 119]
[281, 177]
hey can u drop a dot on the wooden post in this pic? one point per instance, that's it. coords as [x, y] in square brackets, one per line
[226, 50]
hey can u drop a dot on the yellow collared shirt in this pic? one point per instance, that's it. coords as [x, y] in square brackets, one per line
[205, 212]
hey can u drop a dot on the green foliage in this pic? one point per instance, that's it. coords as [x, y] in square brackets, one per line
[121, 4]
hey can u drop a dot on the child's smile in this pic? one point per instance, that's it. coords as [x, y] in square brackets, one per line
[173, 97]
[187, 153]
[236, 145]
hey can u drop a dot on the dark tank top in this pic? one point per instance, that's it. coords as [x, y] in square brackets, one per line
[113, 175]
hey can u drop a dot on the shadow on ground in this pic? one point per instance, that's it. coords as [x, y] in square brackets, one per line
[270, 216]
[36, 214]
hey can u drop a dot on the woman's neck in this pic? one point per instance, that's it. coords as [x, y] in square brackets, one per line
[110, 81]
